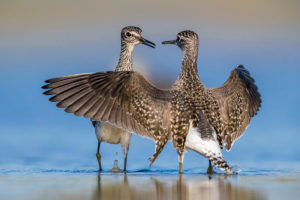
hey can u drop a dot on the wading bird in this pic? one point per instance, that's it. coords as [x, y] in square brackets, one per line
[105, 131]
[189, 114]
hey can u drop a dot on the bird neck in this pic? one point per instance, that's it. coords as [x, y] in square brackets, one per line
[125, 60]
[189, 69]
[188, 79]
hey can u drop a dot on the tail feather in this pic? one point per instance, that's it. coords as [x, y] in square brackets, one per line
[221, 163]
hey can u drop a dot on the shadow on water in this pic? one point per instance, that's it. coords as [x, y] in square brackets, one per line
[172, 187]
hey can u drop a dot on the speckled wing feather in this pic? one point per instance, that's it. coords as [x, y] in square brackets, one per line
[239, 100]
[125, 99]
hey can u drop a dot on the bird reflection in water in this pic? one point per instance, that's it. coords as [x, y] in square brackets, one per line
[158, 187]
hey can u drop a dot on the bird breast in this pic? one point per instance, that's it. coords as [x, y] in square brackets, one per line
[111, 134]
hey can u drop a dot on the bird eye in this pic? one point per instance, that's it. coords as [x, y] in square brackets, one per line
[178, 38]
[128, 34]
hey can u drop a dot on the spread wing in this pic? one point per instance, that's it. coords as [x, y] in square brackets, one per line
[125, 99]
[239, 100]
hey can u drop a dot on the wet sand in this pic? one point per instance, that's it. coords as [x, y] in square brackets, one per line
[146, 184]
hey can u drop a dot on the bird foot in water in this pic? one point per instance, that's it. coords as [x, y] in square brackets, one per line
[99, 162]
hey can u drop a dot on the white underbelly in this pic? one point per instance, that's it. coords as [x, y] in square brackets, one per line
[111, 134]
[204, 146]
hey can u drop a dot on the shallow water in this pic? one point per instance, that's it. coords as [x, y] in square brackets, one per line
[148, 184]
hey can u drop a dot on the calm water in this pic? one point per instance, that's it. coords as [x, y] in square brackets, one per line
[152, 184]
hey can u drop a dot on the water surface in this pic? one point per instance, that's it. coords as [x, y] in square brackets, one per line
[148, 184]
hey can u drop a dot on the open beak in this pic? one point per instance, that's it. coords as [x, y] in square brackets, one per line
[169, 42]
[147, 42]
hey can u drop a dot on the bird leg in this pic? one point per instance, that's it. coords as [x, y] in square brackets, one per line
[180, 167]
[180, 158]
[99, 157]
[125, 164]
[210, 169]
[125, 160]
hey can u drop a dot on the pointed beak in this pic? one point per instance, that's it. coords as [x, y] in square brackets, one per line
[147, 42]
[169, 42]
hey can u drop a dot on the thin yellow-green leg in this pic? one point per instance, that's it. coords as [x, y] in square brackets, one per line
[99, 157]
[180, 163]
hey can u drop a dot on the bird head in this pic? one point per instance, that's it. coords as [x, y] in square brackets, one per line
[185, 40]
[132, 36]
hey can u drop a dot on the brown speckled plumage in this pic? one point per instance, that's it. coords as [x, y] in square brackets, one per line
[123, 98]
[228, 108]
[128, 100]
[106, 132]
[237, 101]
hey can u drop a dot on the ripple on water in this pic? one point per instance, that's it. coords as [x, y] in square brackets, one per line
[147, 171]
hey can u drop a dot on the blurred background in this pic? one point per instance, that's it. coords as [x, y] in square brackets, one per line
[44, 39]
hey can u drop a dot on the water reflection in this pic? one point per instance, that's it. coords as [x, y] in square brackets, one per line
[171, 187]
